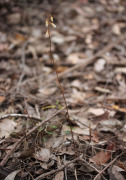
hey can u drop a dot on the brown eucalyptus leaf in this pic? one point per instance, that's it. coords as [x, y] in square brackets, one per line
[100, 158]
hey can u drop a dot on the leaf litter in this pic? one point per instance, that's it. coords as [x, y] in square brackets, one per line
[95, 92]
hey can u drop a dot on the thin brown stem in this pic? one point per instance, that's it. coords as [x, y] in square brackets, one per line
[61, 88]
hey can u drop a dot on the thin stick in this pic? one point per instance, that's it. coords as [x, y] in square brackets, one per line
[3, 162]
[60, 86]
[57, 170]
[20, 116]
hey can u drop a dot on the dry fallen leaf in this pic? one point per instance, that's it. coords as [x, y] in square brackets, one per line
[121, 165]
[114, 173]
[59, 176]
[111, 123]
[77, 96]
[102, 90]
[44, 165]
[2, 98]
[77, 84]
[88, 39]
[100, 158]
[99, 66]
[81, 131]
[19, 38]
[14, 18]
[12, 175]
[27, 153]
[3, 47]
[32, 50]
[7, 126]
[61, 69]
[75, 58]
[116, 29]
[58, 39]
[47, 90]
[94, 138]
[42, 155]
[97, 111]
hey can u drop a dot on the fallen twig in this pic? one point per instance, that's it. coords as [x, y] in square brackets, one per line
[20, 116]
[56, 170]
[3, 162]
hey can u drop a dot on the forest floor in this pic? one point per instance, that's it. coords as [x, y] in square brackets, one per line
[89, 49]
